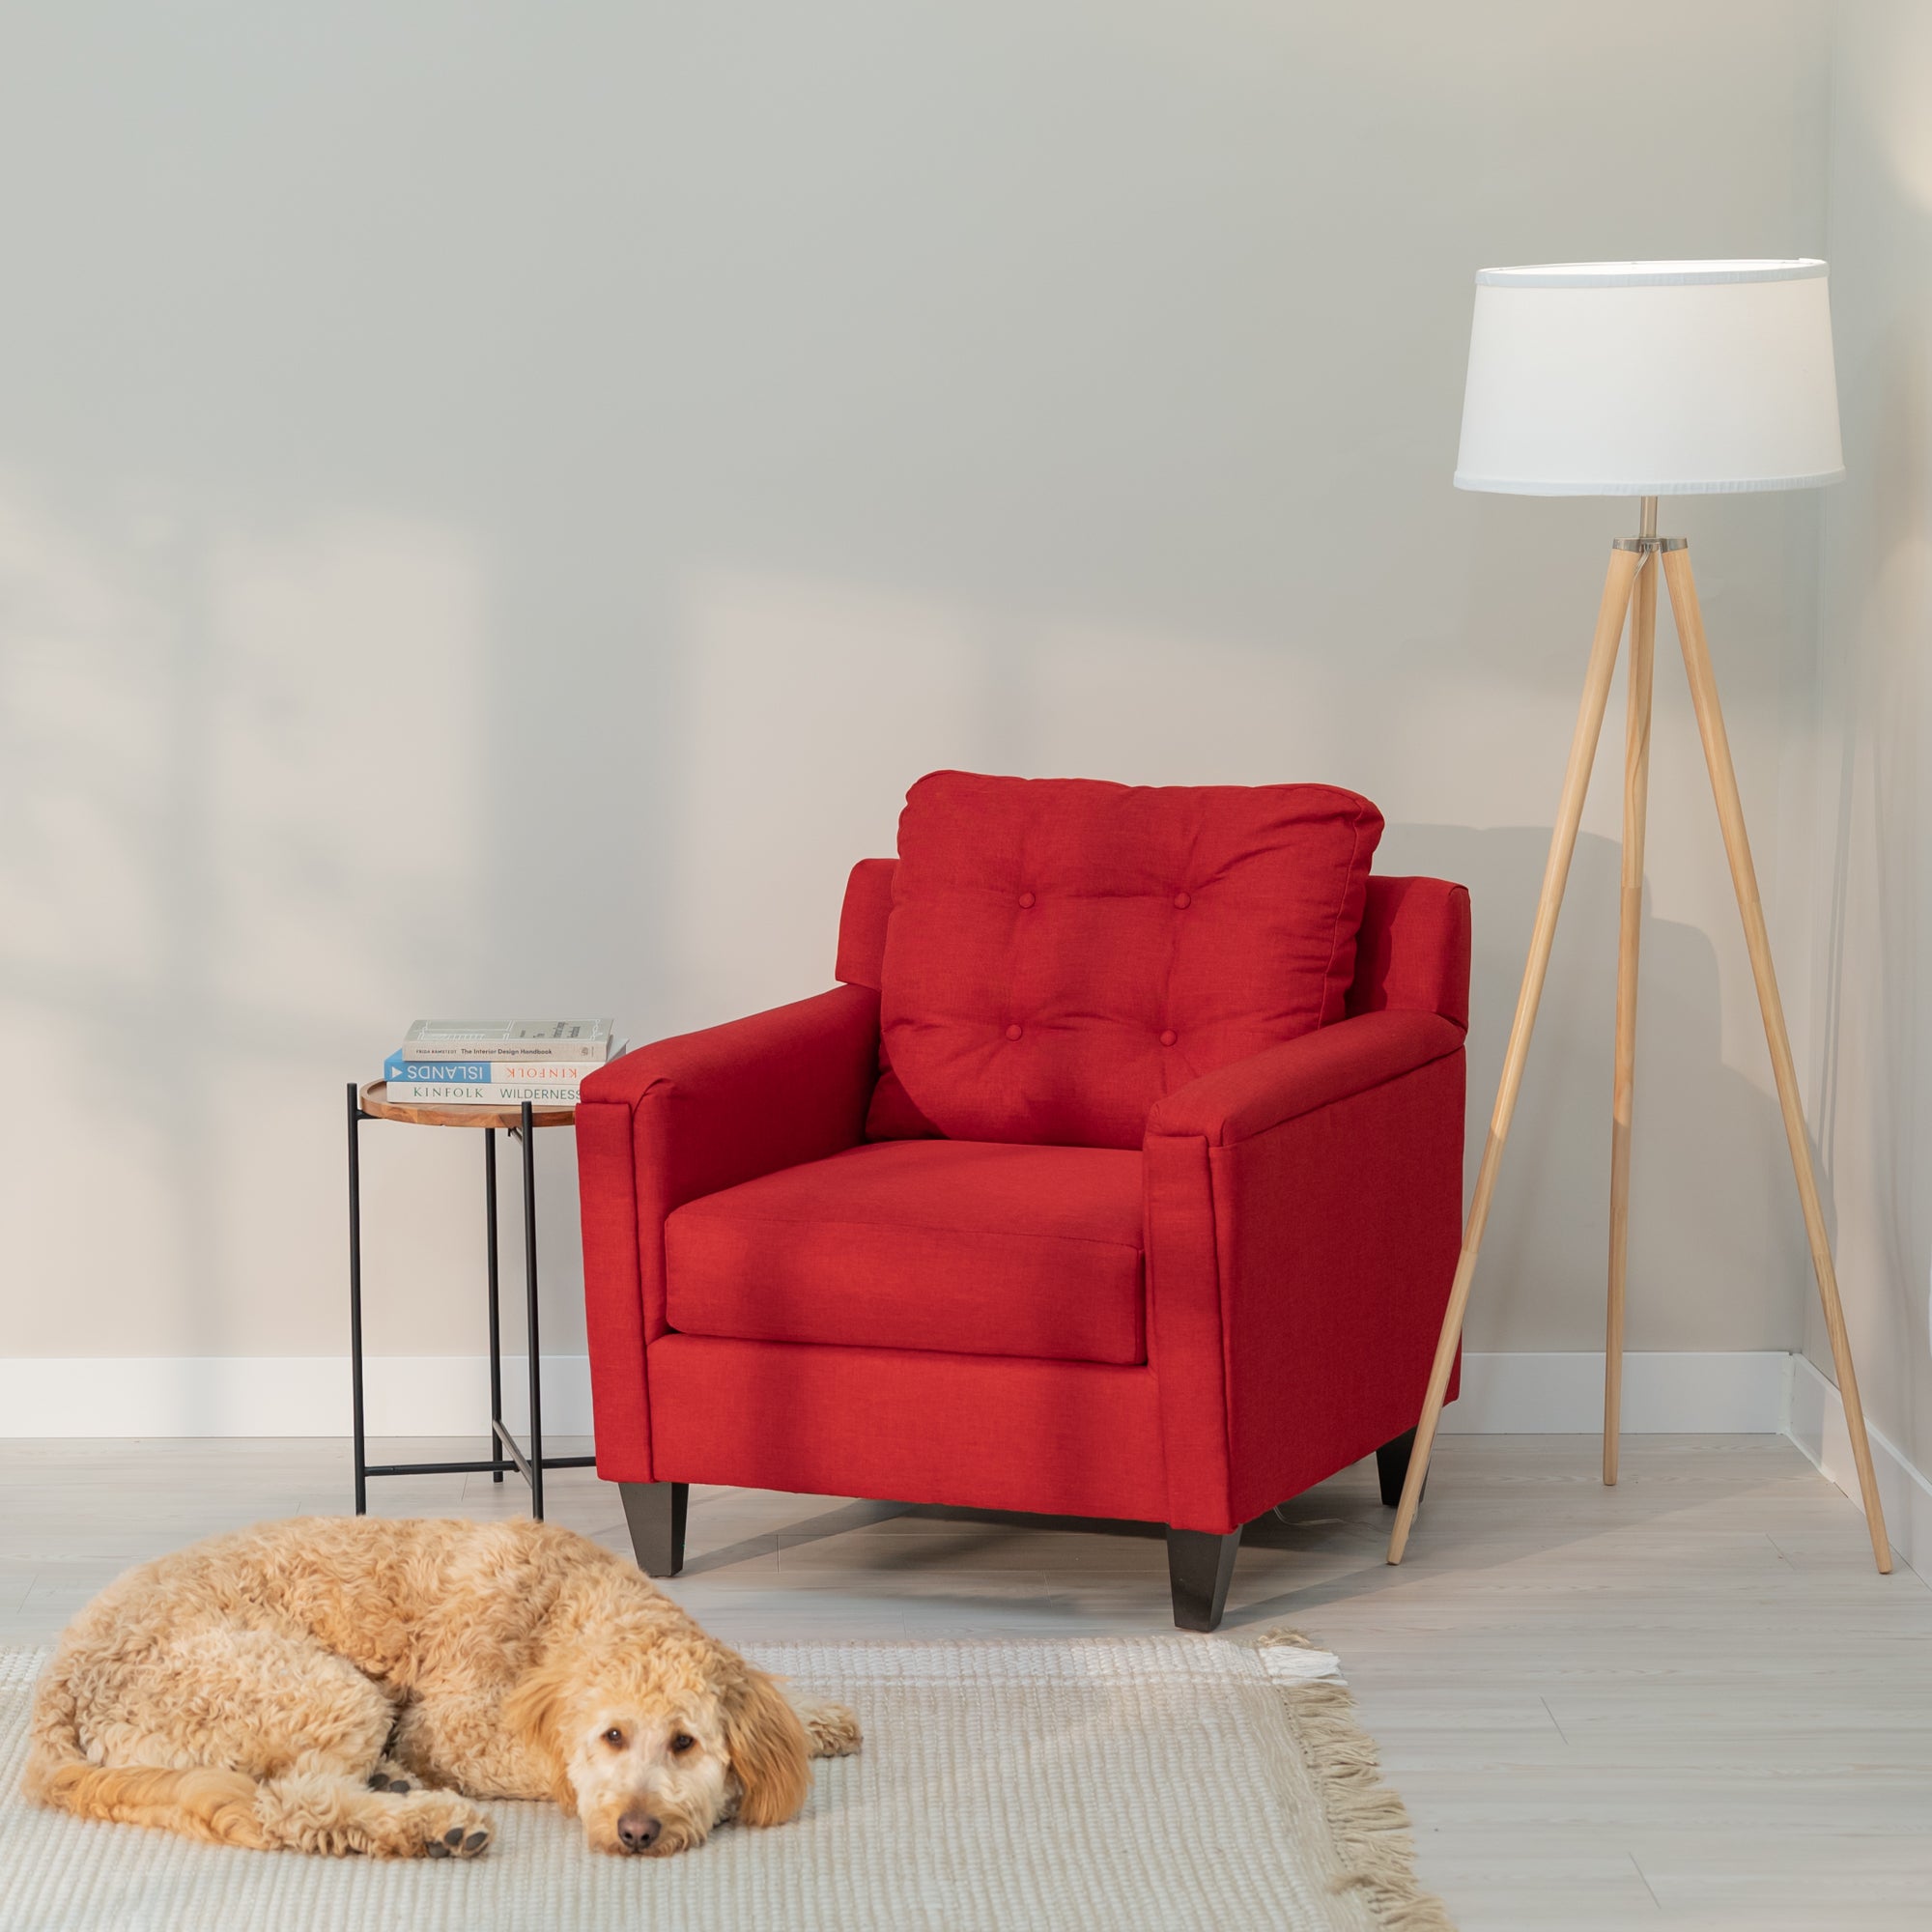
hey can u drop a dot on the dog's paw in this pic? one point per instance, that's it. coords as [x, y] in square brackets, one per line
[390, 1776]
[337, 1817]
[832, 1728]
[440, 1824]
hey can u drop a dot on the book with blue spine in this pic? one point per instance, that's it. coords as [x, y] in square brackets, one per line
[463, 1072]
[499, 1082]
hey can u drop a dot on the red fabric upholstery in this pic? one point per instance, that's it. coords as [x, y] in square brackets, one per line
[965, 1246]
[1067, 1438]
[1298, 1218]
[1061, 953]
[862, 922]
[892, 1116]
[1411, 951]
[1235, 1103]
[1411, 948]
[1411, 955]
[1304, 1214]
[862, 952]
[681, 1118]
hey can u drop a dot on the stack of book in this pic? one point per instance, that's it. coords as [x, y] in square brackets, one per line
[498, 1062]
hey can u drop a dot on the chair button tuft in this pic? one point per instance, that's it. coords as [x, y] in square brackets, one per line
[1012, 1033]
[1167, 1040]
[1026, 900]
[1183, 901]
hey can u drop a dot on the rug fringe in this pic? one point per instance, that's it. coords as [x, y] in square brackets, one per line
[1366, 1817]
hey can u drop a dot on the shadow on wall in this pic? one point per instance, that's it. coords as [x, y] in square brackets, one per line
[228, 884]
[1716, 1243]
[1875, 798]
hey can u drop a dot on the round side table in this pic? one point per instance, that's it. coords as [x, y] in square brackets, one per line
[371, 1102]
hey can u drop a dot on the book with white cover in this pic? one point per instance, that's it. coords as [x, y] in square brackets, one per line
[480, 1094]
[508, 1039]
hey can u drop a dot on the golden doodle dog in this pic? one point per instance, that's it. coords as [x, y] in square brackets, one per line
[344, 1685]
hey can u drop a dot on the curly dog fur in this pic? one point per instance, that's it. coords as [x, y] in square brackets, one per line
[352, 1684]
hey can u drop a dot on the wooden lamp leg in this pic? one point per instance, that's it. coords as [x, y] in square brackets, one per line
[1555, 872]
[1689, 618]
[1629, 933]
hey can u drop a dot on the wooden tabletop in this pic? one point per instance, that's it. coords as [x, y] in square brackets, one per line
[448, 1114]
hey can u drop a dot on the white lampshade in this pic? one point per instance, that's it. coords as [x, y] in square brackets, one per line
[1650, 379]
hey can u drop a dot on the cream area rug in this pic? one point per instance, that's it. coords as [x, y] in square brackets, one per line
[1173, 1784]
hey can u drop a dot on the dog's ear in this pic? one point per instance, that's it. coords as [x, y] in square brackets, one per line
[533, 1715]
[770, 1753]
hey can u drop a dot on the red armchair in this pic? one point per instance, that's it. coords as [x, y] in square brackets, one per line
[1120, 1176]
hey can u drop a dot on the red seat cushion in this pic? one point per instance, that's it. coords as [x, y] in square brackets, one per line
[1063, 953]
[957, 1245]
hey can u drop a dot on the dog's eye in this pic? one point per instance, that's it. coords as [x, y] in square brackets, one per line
[682, 1743]
[614, 1738]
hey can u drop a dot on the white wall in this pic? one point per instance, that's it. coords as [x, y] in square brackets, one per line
[497, 503]
[1869, 1017]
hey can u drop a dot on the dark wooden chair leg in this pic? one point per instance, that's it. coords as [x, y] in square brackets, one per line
[1392, 1466]
[655, 1513]
[1200, 1566]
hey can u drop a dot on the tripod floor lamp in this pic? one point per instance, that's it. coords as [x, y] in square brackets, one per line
[1647, 379]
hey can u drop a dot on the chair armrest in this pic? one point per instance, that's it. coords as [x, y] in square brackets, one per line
[1303, 1215]
[754, 1095]
[684, 1118]
[1249, 1096]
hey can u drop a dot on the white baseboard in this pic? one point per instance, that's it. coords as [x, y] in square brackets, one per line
[1818, 1428]
[1666, 1393]
[279, 1395]
[444, 1395]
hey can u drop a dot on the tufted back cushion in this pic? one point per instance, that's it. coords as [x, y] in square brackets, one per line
[1061, 953]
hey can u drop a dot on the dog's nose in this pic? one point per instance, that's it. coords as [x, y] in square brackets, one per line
[639, 1831]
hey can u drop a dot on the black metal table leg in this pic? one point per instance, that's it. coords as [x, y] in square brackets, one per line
[506, 1453]
[496, 1462]
[528, 1136]
[356, 1300]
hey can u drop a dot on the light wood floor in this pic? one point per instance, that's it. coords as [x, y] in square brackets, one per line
[1688, 1702]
